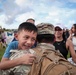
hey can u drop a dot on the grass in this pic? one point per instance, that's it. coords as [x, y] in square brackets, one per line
[68, 56]
[2, 50]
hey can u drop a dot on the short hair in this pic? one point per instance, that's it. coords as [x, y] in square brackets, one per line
[47, 37]
[45, 33]
[30, 19]
[27, 26]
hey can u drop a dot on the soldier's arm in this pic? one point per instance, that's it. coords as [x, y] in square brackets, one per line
[25, 59]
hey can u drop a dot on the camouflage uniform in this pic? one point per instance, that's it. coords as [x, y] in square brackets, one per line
[18, 70]
[48, 60]
[45, 28]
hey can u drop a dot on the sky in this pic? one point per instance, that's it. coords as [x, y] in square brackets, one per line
[14, 12]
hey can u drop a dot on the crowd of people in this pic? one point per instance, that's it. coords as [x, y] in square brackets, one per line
[2, 38]
[28, 36]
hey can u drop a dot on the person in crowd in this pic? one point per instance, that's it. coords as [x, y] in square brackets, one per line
[31, 20]
[65, 33]
[26, 37]
[3, 38]
[72, 32]
[15, 35]
[63, 45]
[60, 42]
[72, 37]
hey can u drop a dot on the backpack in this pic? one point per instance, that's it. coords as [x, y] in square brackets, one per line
[51, 62]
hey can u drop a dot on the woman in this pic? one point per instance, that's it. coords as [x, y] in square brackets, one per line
[72, 37]
[63, 45]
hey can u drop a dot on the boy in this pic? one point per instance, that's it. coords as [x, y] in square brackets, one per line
[26, 37]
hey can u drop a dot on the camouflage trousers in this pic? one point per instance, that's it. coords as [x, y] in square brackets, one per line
[21, 70]
[3, 72]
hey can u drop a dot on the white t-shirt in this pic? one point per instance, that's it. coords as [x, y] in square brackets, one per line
[74, 42]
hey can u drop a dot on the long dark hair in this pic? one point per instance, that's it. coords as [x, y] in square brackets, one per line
[75, 29]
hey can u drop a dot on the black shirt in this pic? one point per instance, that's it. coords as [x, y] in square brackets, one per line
[61, 46]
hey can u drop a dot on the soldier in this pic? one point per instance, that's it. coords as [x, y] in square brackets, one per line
[49, 61]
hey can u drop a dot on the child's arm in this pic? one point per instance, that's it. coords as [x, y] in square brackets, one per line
[25, 59]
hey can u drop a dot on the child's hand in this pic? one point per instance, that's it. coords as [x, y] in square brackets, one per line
[27, 59]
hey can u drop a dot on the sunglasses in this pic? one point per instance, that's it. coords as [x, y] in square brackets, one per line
[58, 29]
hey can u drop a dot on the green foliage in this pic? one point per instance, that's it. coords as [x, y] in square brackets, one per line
[68, 56]
[2, 50]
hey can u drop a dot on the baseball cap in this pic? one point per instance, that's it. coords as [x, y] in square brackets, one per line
[59, 27]
[45, 28]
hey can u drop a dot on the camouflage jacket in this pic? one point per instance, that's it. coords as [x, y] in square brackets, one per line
[17, 70]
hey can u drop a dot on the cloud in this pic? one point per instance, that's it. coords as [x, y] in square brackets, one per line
[25, 16]
[13, 12]
[24, 3]
[60, 15]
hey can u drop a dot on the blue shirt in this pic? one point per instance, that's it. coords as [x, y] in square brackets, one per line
[13, 45]
[14, 39]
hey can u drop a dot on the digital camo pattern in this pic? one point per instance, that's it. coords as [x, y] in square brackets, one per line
[45, 28]
[21, 69]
